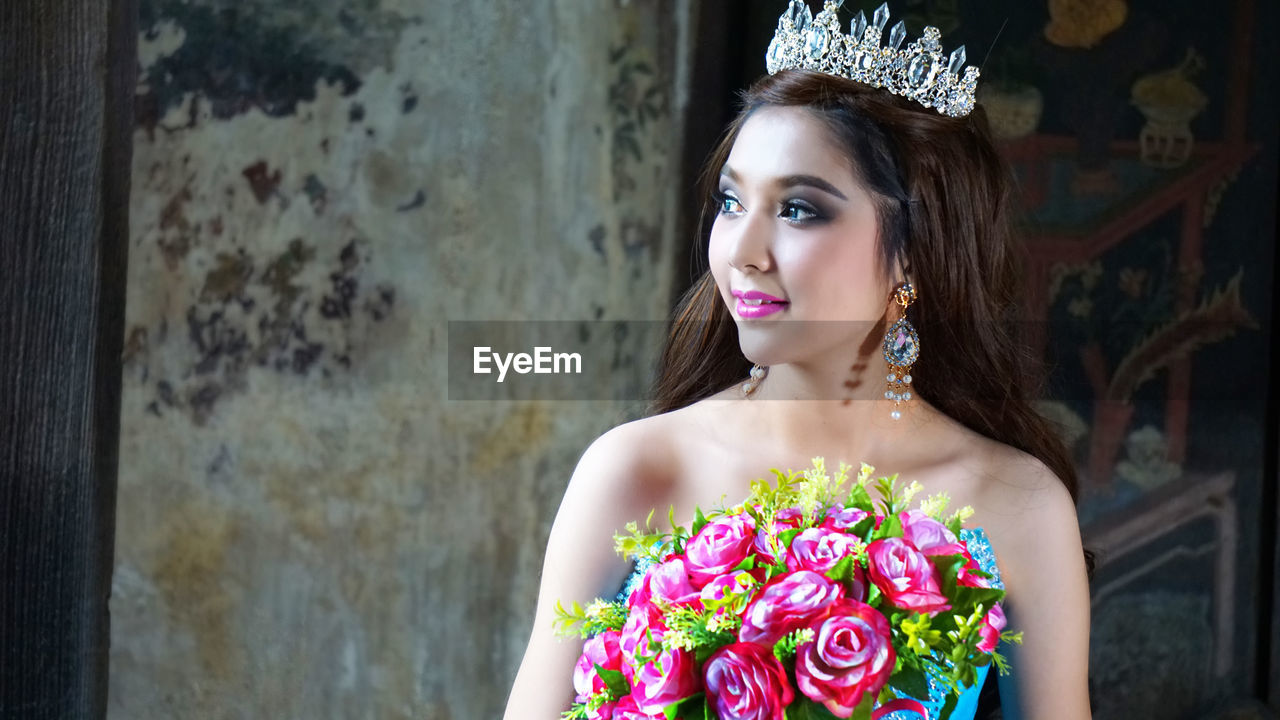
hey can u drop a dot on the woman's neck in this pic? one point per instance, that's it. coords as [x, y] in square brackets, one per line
[805, 407]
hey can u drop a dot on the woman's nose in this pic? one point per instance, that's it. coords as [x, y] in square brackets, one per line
[752, 242]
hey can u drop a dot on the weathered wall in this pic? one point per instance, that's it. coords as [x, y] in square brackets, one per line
[306, 527]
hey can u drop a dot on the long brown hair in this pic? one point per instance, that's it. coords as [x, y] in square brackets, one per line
[943, 210]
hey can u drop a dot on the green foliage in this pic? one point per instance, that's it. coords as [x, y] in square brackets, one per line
[635, 544]
[918, 634]
[693, 707]
[949, 706]
[845, 571]
[911, 681]
[806, 709]
[577, 712]
[691, 629]
[597, 617]
[614, 680]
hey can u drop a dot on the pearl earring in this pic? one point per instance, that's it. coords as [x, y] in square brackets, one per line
[757, 374]
[901, 350]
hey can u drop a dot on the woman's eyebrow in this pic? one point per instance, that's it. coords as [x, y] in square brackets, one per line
[787, 181]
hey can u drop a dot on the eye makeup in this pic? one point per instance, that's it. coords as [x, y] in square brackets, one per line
[795, 210]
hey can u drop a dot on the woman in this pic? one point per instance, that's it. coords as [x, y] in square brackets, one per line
[831, 197]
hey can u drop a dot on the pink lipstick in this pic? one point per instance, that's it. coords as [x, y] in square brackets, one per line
[755, 304]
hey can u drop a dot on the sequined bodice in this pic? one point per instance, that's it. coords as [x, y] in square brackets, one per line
[967, 706]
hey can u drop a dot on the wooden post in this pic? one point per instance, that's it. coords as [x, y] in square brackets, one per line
[66, 119]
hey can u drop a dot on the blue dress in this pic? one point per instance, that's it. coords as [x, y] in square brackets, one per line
[967, 705]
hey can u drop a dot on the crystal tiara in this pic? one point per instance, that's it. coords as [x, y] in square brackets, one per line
[918, 72]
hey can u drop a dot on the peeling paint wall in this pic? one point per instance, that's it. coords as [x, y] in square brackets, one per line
[306, 527]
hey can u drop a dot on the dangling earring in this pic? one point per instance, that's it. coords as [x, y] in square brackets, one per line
[757, 374]
[901, 350]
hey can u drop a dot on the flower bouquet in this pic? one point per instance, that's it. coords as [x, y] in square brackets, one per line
[808, 600]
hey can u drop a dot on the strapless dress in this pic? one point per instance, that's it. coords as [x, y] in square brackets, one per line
[967, 705]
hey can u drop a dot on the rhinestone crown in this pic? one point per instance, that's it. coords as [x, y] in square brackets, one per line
[917, 72]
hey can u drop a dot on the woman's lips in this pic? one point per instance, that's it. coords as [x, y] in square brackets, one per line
[756, 295]
[755, 304]
[747, 311]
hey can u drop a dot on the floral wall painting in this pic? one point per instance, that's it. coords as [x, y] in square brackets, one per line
[1131, 127]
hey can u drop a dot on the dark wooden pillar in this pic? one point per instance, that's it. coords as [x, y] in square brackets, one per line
[68, 70]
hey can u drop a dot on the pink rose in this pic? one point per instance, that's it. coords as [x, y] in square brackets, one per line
[843, 518]
[641, 595]
[626, 709]
[851, 654]
[718, 547]
[670, 582]
[600, 650]
[668, 678]
[928, 535]
[991, 627]
[788, 602]
[643, 624]
[966, 576]
[819, 549]
[745, 681]
[739, 582]
[716, 589]
[905, 576]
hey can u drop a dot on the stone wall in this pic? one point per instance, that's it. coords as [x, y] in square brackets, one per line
[307, 527]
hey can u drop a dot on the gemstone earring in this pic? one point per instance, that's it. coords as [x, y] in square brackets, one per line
[757, 374]
[901, 350]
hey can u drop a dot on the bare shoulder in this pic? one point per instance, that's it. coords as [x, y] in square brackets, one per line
[625, 468]
[1031, 518]
[1020, 489]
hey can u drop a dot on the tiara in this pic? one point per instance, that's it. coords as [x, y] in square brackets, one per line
[918, 72]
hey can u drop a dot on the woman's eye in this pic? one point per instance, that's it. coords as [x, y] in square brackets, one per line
[727, 203]
[798, 212]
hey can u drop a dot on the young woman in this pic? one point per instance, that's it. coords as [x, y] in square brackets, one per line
[829, 197]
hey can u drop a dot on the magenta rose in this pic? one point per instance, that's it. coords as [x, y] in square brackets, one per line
[644, 623]
[641, 595]
[626, 709]
[716, 589]
[785, 519]
[745, 681]
[602, 650]
[670, 582]
[905, 576]
[843, 518]
[819, 549]
[668, 678]
[718, 547]
[788, 602]
[928, 535]
[850, 655]
[967, 576]
[991, 627]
